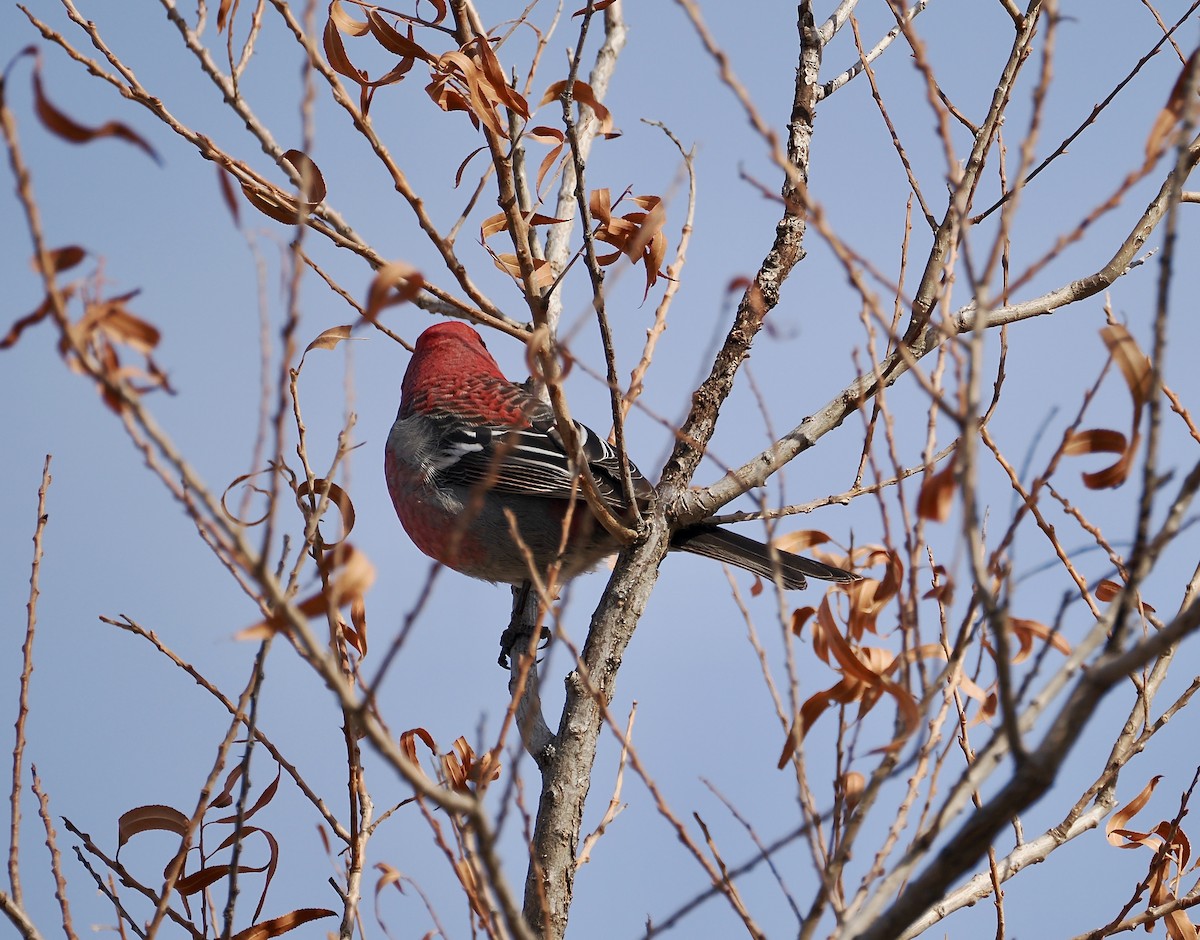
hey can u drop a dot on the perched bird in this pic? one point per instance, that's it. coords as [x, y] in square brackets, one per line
[468, 444]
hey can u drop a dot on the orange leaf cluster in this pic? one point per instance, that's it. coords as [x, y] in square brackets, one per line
[387, 36]
[1172, 853]
[460, 769]
[472, 80]
[507, 261]
[347, 575]
[867, 672]
[160, 818]
[637, 235]
[107, 325]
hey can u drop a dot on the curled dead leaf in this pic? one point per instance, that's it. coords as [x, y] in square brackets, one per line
[1026, 631]
[864, 679]
[1173, 111]
[349, 575]
[340, 22]
[312, 183]
[937, 493]
[225, 184]
[154, 817]
[472, 80]
[584, 94]
[636, 235]
[851, 785]
[23, 323]
[556, 140]
[800, 541]
[229, 514]
[1107, 591]
[462, 770]
[1125, 813]
[1103, 441]
[337, 496]
[278, 926]
[397, 282]
[274, 204]
[1134, 364]
[67, 128]
[63, 259]
[327, 339]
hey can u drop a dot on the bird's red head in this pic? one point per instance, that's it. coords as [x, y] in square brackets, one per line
[445, 354]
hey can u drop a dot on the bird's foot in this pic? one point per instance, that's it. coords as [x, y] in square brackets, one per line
[516, 637]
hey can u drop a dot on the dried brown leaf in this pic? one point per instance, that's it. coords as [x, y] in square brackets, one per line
[59, 123]
[937, 494]
[863, 680]
[225, 183]
[583, 93]
[851, 784]
[357, 637]
[461, 769]
[151, 817]
[1026, 631]
[543, 273]
[396, 282]
[112, 318]
[556, 139]
[240, 835]
[801, 540]
[312, 189]
[395, 41]
[1134, 364]
[257, 489]
[347, 23]
[409, 746]
[1172, 112]
[223, 11]
[1107, 591]
[349, 575]
[282, 924]
[1095, 441]
[20, 326]
[499, 223]
[462, 167]
[1125, 813]
[225, 797]
[801, 616]
[492, 74]
[337, 497]
[596, 7]
[274, 205]
[63, 259]
[328, 339]
[264, 798]
[1103, 440]
[335, 53]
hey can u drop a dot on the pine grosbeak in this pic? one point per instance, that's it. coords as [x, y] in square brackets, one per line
[468, 444]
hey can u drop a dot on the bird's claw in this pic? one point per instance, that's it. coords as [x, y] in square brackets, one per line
[516, 637]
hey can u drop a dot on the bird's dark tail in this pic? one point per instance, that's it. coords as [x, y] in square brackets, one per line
[723, 545]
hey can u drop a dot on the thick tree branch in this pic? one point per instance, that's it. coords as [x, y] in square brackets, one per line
[698, 504]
